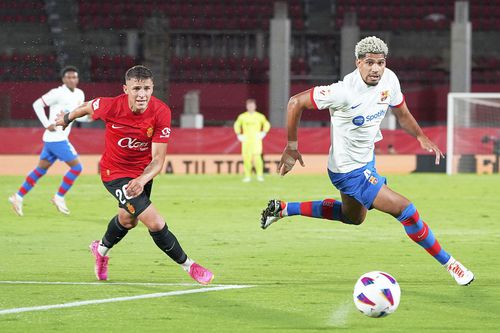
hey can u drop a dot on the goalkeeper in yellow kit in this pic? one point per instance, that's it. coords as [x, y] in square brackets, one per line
[251, 127]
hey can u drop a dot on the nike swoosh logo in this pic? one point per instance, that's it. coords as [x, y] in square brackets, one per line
[355, 106]
[114, 126]
[423, 233]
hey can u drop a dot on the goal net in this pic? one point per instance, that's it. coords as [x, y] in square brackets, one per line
[473, 133]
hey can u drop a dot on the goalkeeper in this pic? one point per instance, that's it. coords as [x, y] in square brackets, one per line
[251, 127]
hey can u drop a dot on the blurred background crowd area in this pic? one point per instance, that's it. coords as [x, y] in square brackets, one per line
[221, 46]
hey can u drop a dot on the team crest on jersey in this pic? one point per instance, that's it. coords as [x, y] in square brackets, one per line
[149, 132]
[130, 208]
[383, 95]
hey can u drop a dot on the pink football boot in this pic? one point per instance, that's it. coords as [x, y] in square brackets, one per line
[101, 262]
[200, 274]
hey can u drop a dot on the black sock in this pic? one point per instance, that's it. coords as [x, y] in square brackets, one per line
[167, 242]
[114, 234]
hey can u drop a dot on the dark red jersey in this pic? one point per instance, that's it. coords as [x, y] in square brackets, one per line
[128, 136]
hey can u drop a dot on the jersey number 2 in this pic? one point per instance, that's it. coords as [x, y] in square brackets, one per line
[121, 194]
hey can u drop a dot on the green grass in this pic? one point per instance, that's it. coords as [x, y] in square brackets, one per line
[303, 270]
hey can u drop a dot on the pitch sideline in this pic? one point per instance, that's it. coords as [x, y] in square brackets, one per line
[114, 299]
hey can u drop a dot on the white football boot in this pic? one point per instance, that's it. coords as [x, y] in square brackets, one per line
[60, 204]
[17, 203]
[271, 214]
[459, 272]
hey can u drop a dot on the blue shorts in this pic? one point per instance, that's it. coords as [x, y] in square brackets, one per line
[60, 150]
[362, 184]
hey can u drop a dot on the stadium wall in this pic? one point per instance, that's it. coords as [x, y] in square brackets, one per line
[216, 151]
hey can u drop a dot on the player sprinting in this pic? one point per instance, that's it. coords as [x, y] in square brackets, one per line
[136, 136]
[251, 127]
[56, 145]
[357, 106]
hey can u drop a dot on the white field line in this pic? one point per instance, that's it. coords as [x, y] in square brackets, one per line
[120, 299]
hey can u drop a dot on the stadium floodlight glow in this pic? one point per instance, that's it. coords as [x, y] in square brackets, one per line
[470, 118]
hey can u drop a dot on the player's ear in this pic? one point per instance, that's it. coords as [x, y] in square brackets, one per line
[125, 89]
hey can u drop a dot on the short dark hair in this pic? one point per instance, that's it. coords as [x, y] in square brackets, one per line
[139, 72]
[66, 69]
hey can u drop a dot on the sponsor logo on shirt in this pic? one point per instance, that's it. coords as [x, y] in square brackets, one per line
[377, 115]
[133, 143]
[360, 120]
[165, 133]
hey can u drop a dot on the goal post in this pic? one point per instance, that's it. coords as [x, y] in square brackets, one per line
[473, 133]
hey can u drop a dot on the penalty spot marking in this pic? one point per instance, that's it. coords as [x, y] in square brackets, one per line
[118, 299]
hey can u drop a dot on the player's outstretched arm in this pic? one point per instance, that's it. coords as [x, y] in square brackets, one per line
[410, 125]
[296, 105]
[159, 152]
[64, 119]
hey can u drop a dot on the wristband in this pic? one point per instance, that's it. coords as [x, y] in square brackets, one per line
[293, 145]
[66, 119]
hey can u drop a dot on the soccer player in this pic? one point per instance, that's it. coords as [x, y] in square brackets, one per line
[250, 128]
[357, 105]
[136, 136]
[56, 145]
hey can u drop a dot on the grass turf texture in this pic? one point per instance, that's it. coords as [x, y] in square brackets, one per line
[303, 269]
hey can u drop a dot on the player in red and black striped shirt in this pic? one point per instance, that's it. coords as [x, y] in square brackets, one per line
[136, 137]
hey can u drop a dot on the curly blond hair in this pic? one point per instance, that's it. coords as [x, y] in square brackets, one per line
[370, 44]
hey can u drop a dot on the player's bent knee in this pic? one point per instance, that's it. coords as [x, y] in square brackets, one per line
[78, 168]
[358, 220]
[402, 205]
[129, 224]
[155, 225]
[354, 216]
[127, 221]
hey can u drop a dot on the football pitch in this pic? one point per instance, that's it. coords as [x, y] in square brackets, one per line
[296, 276]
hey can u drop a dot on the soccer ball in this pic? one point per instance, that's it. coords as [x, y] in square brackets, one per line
[376, 294]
